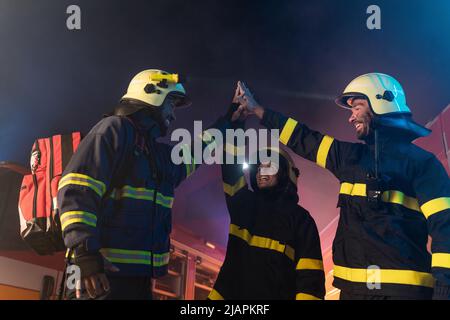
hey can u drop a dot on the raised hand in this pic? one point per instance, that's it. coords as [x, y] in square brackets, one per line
[248, 101]
[241, 112]
[246, 98]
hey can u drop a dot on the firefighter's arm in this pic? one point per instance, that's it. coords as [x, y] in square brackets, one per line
[310, 277]
[324, 150]
[234, 184]
[85, 182]
[432, 186]
[205, 144]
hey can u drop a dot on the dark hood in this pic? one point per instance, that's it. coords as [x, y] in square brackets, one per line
[149, 119]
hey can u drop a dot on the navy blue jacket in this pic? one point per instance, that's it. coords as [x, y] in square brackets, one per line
[107, 197]
[382, 251]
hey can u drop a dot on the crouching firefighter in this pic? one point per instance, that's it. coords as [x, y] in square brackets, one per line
[393, 194]
[273, 249]
[116, 193]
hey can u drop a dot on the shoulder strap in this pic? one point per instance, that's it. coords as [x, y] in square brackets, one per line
[143, 145]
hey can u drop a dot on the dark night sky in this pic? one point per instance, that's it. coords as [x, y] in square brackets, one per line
[297, 55]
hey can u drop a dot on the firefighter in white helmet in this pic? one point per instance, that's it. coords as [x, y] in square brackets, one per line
[116, 193]
[386, 103]
[393, 194]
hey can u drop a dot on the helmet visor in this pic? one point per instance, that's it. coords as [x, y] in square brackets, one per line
[342, 100]
[179, 99]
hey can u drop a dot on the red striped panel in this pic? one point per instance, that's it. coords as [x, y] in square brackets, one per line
[76, 137]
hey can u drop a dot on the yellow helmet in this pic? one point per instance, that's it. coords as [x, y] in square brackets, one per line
[386, 99]
[152, 86]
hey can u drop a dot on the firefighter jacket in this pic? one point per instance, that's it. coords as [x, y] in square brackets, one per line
[383, 250]
[273, 249]
[127, 219]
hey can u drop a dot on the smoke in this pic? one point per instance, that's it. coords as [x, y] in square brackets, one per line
[296, 55]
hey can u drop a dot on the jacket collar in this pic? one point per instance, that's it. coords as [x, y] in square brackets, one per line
[147, 124]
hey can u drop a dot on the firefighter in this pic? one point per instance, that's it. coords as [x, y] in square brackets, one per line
[273, 250]
[393, 194]
[116, 193]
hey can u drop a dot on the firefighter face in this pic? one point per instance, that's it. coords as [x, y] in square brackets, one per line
[167, 114]
[361, 116]
[267, 175]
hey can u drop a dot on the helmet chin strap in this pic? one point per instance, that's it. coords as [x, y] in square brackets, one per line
[377, 152]
[161, 123]
[375, 127]
[157, 127]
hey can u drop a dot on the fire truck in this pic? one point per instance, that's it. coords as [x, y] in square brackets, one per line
[24, 275]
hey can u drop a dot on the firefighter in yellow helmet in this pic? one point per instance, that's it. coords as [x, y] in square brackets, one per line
[116, 193]
[393, 194]
[157, 92]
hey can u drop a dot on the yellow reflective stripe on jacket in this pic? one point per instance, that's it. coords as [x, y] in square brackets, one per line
[231, 190]
[160, 260]
[309, 264]
[440, 260]
[142, 194]
[390, 196]
[262, 242]
[324, 149]
[163, 200]
[82, 180]
[305, 296]
[70, 217]
[188, 159]
[434, 206]
[214, 295]
[287, 131]
[135, 257]
[234, 150]
[399, 197]
[407, 277]
[357, 189]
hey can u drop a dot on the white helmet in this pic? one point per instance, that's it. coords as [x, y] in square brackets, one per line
[153, 86]
[386, 99]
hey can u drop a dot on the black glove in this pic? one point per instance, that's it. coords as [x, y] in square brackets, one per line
[89, 264]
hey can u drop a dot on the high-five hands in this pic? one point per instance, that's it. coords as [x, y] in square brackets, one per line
[246, 98]
[241, 112]
[247, 103]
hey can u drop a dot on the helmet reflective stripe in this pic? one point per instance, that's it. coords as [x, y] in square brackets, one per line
[270, 170]
[153, 86]
[384, 93]
[292, 175]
